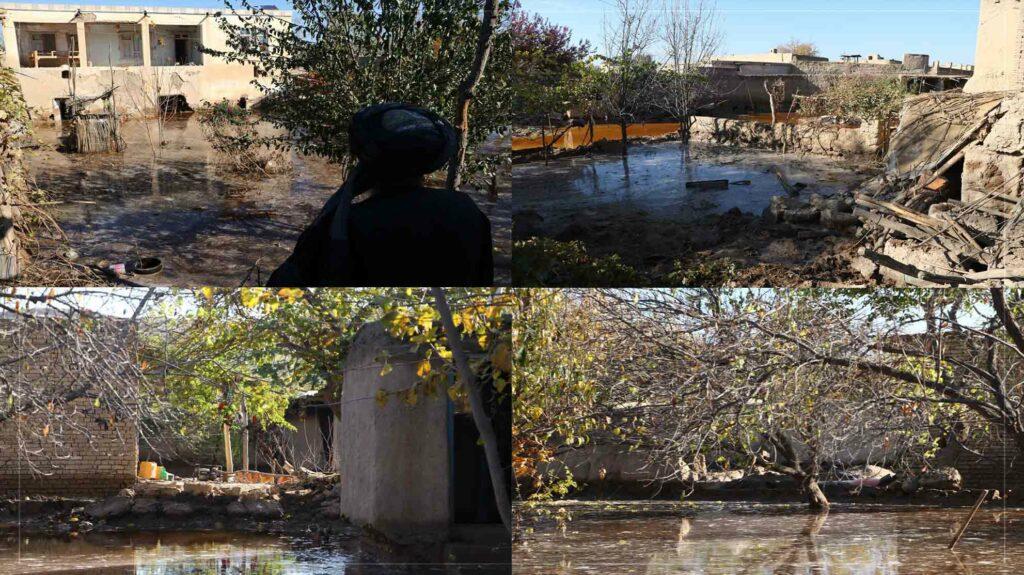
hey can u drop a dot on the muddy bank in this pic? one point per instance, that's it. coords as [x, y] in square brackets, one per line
[639, 210]
[169, 196]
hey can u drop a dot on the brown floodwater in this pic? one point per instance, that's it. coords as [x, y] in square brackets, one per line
[639, 208]
[653, 178]
[206, 553]
[177, 202]
[731, 538]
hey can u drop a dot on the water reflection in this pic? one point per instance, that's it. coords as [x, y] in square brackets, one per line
[728, 539]
[207, 553]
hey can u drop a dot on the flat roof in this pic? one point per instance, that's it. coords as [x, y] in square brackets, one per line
[128, 9]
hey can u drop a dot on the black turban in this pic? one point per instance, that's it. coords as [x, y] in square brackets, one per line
[396, 141]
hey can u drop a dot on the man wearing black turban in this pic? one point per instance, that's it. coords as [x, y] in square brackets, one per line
[403, 234]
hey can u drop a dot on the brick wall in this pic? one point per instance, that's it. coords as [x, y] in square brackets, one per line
[999, 461]
[86, 451]
[988, 456]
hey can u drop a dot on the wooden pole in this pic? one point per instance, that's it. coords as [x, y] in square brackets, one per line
[977, 505]
[229, 463]
[245, 436]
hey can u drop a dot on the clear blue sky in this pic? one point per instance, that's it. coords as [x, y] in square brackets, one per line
[944, 29]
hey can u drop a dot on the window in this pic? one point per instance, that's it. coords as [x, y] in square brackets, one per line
[130, 46]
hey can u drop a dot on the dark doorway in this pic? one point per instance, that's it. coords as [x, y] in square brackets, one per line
[472, 493]
[181, 55]
[49, 42]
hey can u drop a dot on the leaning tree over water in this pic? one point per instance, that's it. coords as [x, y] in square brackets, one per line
[809, 373]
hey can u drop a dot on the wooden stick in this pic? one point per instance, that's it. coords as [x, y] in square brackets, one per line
[977, 505]
[890, 224]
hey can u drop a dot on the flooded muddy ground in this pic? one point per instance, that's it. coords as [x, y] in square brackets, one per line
[209, 552]
[177, 202]
[639, 208]
[744, 537]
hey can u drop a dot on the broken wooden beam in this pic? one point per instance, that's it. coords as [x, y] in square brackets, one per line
[793, 189]
[974, 511]
[891, 224]
[996, 274]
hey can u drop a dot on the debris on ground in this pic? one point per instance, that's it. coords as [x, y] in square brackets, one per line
[949, 212]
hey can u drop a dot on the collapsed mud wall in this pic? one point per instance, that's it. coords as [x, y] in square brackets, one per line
[949, 210]
[13, 129]
[823, 136]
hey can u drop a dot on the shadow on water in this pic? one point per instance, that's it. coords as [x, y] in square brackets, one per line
[174, 201]
[714, 539]
[205, 553]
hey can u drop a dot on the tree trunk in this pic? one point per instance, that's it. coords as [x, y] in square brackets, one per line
[771, 100]
[815, 498]
[483, 422]
[467, 90]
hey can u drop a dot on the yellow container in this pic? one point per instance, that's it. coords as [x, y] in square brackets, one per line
[147, 470]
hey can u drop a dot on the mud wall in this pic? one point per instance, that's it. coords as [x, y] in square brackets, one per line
[138, 87]
[995, 164]
[999, 57]
[814, 136]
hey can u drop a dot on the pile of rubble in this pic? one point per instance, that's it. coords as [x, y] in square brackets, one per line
[948, 212]
[183, 498]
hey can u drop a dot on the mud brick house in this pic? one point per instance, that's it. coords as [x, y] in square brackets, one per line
[85, 450]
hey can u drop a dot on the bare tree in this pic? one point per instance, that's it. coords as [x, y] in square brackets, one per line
[63, 369]
[692, 36]
[630, 70]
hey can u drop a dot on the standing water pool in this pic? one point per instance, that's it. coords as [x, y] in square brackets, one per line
[743, 537]
[219, 553]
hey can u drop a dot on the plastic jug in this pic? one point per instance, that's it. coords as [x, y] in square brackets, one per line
[147, 470]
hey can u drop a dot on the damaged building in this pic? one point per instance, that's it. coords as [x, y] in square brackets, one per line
[152, 55]
[948, 210]
[740, 80]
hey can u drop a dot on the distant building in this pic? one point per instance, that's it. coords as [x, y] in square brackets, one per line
[739, 80]
[148, 53]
